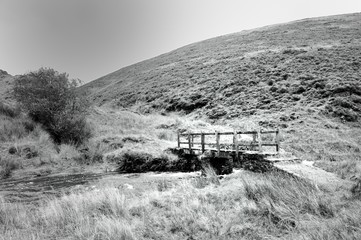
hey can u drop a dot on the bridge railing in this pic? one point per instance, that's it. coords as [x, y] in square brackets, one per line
[236, 141]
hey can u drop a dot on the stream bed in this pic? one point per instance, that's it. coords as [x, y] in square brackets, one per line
[30, 189]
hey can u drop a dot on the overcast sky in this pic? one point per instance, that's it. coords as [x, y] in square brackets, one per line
[91, 38]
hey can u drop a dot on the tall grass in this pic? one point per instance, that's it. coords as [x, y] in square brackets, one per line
[15, 128]
[9, 111]
[7, 166]
[332, 145]
[244, 206]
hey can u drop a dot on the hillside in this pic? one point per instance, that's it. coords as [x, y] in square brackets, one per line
[302, 77]
[310, 65]
[6, 83]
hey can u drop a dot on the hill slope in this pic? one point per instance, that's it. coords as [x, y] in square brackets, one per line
[301, 65]
[6, 84]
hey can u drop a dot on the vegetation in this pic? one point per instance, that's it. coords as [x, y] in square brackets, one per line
[138, 162]
[303, 79]
[247, 205]
[308, 65]
[49, 99]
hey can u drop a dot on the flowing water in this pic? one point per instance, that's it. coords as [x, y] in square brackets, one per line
[30, 189]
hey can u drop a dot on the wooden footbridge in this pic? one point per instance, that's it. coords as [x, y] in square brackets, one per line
[237, 143]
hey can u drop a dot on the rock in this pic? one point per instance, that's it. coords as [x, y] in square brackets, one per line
[128, 186]
[134, 139]
[12, 150]
[29, 152]
[216, 113]
[299, 90]
[165, 126]
[116, 145]
[256, 163]
[3, 73]
[296, 98]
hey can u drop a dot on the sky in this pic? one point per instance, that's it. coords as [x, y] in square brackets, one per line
[91, 38]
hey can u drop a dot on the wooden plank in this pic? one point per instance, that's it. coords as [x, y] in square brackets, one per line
[209, 134]
[271, 131]
[217, 143]
[228, 133]
[190, 143]
[196, 134]
[247, 132]
[202, 143]
[178, 138]
[235, 144]
[254, 140]
[277, 141]
[231, 144]
[225, 133]
[259, 141]
[269, 144]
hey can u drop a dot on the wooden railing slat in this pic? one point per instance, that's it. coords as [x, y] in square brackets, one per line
[202, 143]
[190, 144]
[217, 143]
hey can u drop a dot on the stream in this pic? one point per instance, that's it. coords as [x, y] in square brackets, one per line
[30, 189]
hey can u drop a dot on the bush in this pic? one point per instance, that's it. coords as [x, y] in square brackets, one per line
[15, 128]
[49, 98]
[7, 166]
[69, 128]
[9, 111]
[137, 162]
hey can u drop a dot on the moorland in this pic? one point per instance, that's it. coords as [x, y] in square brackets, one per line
[302, 77]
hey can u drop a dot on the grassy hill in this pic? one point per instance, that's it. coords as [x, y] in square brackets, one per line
[301, 66]
[301, 76]
[6, 83]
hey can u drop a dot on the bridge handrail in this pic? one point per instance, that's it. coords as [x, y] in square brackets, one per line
[257, 135]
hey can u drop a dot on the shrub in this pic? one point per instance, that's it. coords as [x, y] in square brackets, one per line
[7, 166]
[49, 98]
[69, 128]
[6, 110]
[136, 162]
[15, 128]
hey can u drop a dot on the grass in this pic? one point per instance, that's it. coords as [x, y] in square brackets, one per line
[247, 205]
[330, 143]
[7, 166]
[25, 148]
[130, 135]
[303, 79]
[312, 64]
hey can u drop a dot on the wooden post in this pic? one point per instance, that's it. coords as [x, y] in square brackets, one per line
[178, 137]
[277, 141]
[254, 135]
[192, 136]
[259, 140]
[202, 142]
[189, 143]
[217, 143]
[235, 144]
